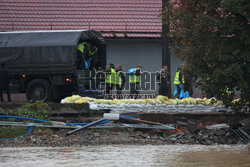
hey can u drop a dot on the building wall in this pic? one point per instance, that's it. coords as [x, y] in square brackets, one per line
[130, 53]
[147, 52]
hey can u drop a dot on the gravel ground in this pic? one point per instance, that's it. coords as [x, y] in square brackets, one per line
[58, 138]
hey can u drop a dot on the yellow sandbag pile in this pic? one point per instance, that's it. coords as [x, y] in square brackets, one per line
[128, 101]
[172, 102]
[161, 99]
[72, 99]
[78, 99]
[180, 101]
[150, 101]
[103, 101]
[158, 100]
[190, 100]
[140, 101]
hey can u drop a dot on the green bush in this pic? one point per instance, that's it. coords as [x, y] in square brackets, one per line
[37, 110]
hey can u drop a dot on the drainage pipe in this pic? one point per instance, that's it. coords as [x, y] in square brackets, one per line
[85, 127]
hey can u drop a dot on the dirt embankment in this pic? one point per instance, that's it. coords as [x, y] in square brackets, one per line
[192, 135]
[193, 126]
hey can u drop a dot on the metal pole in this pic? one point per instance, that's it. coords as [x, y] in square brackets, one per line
[123, 125]
[141, 121]
[85, 127]
[166, 60]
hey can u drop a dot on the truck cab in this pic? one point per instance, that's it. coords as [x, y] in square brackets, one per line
[45, 64]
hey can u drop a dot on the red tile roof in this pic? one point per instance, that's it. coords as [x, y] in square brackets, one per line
[102, 15]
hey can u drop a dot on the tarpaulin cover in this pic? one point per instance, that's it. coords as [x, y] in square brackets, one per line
[44, 47]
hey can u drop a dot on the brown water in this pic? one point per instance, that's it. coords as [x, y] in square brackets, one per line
[128, 155]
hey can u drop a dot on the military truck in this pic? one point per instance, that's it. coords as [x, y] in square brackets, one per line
[44, 64]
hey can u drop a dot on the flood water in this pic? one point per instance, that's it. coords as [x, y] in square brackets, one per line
[128, 155]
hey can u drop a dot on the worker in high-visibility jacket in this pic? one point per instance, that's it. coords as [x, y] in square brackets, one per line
[110, 80]
[179, 79]
[90, 61]
[120, 80]
[82, 48]
[134, 82]
[227, 94]
[87, 51]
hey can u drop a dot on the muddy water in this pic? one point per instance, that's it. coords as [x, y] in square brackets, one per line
[128, 155]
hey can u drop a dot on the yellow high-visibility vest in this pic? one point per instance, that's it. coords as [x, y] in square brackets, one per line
[110, 78]
[81, 46]
[134, 78]
[177, 79]
[118, 79]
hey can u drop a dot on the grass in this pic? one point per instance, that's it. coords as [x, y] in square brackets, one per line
[6, 132]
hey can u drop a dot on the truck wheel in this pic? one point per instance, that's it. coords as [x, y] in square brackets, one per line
[38, 90]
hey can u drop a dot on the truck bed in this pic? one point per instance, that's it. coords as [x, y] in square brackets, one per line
[41, 69]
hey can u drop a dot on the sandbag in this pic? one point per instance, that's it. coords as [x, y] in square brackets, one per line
[187, 94]
[175, 92]
[132, 71]
[182, 94]
[88, 63]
